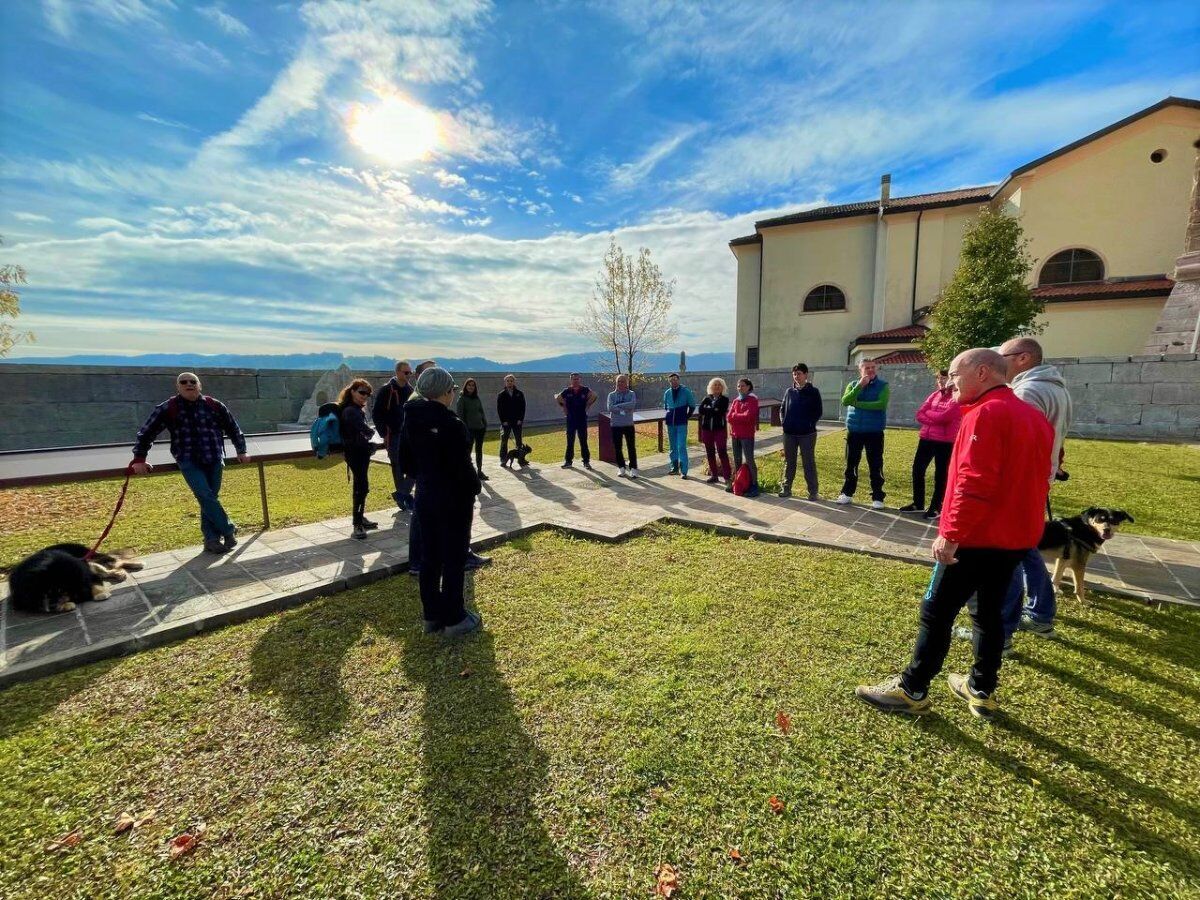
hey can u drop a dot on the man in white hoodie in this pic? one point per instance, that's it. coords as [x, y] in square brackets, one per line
[1042, 387]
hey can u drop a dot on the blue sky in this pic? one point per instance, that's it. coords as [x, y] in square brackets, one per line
[412, 177]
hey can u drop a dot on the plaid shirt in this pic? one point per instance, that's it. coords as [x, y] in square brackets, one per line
[198, 430]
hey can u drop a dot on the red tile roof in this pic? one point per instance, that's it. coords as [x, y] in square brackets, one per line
[935, 200]
[893, 335]
[1150, 286]
[901, 358]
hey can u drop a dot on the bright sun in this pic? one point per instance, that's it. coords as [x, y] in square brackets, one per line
[394, 130]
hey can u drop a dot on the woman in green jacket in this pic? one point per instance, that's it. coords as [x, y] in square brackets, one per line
[470, 410]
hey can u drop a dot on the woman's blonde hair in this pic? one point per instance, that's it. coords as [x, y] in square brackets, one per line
[721, 382]
[344, 399]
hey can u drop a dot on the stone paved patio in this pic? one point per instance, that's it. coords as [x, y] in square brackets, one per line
[182, 592]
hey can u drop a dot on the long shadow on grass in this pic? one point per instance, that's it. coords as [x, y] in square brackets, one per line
[22, 705]
[482, 771]
[1098, 808]
[1177, 645]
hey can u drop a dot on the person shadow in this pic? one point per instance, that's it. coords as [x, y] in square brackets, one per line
[482, 772]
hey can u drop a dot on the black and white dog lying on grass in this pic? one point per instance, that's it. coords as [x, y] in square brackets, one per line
[1071, 542]
[57, 578]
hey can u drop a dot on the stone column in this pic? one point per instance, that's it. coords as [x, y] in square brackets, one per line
[1179, 323]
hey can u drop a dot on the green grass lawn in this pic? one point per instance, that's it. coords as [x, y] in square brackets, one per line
[601, 726]
[1158, 483]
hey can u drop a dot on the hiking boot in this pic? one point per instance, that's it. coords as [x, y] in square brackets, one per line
[784, 493]
[983, 706]
[890, 696]
[844, 499]
[369, 525]
[587, 465]
[475, 561]
[911, 507]
[472, 621]
[566, 465]
[229, 541]
[359, 533]
[814, 498]
[217, 547]
[1033, 626]
[933, 515]
[674, 470]
[712, 479]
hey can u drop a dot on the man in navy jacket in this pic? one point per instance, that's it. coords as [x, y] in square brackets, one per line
[801, 412]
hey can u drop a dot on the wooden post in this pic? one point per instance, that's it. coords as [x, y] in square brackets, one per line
[262, 492]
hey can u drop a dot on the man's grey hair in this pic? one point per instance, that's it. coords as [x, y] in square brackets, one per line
[984, 356]
[402, 362]
[434, 382]
[1026, 345]
[186, 374]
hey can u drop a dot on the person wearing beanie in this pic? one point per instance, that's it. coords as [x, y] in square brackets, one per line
[435, 446]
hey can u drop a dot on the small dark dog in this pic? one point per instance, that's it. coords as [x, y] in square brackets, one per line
[55, 579]
[1071, 542]
[517, 455]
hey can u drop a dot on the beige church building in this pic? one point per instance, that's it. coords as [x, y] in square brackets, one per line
[1105, 217]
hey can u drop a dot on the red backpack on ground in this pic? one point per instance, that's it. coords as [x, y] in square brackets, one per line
[741, 481]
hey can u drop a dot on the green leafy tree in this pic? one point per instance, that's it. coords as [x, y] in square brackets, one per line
[627, 315]
[987, 302]
[10, 308]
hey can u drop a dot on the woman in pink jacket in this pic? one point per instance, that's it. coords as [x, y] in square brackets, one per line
[939, 416]
[742, 419]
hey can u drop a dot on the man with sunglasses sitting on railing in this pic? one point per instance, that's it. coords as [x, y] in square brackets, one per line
[198, 425]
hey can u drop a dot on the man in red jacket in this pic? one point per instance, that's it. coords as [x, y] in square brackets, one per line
[992, 514]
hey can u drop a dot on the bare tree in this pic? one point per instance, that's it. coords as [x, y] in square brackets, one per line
[627, 313]
[10, 308]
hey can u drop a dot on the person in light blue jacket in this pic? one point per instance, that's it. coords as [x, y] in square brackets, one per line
[679, 403]
[621, 404]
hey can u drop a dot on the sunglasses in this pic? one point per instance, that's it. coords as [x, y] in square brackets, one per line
[363, 392]
[188, 381]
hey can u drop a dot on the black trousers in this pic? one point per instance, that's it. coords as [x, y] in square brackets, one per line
[856, 443]
[477, 435]
[445, 540]
[573, 429]
[980, 572]
[939, 453]
[625, 433]
[359, 463]
[515, 431]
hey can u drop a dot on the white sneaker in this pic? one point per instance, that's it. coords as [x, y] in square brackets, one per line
[877, 504]
[633, 473]
[622, 473]
[844, 499]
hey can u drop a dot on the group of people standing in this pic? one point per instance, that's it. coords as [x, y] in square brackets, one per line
[993, 428]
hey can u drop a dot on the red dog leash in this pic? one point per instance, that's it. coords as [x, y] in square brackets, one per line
[112, 521]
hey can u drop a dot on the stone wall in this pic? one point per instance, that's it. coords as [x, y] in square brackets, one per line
[1144, 397]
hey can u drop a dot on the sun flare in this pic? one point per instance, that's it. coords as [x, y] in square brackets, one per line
[394, 130]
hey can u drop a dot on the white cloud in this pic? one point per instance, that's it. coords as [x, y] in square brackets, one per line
[167, 123]
[630, 174]
[61, 14]
[231, 25]
[103, 223]
[448, 179]
[30, 217]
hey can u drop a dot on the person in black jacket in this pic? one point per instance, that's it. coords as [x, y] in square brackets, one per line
[357, 447]
[510, 407]
[435, 447]
[388, 416]
[800, 414]
[714, 434]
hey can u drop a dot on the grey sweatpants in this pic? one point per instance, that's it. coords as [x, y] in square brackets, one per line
[807, 445]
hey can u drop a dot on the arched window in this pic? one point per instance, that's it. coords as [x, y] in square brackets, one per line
[1071, 266]
[824, 297]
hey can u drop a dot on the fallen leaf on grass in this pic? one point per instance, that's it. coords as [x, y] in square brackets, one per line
[66, 842]
[667, 880]
[736, 855]
[186, 842]
[777, 805]
[783, 722]
[145, 818]
[123, 824]
[466, 673]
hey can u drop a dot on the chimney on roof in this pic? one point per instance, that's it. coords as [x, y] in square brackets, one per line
[885, 189]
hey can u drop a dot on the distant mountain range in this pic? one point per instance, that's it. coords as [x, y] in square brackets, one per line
[567, 362]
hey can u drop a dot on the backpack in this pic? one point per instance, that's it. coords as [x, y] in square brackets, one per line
[325, 435]
[741, 481]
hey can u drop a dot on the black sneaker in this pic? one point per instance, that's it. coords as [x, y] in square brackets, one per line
[674, 470]
[359, 533]
[475, 561]
[566, 465]
[912, 507]
[217, 547]
[414, 571]
[369, 525]
[587, 465]
[711, 480]
[229, 541]
[932, 515]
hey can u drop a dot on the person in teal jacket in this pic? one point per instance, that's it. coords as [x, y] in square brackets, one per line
[866, 401]
[680, 403]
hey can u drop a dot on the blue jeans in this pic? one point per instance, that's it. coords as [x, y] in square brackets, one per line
[205, 482]
[1031, 581]
[677, 436]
